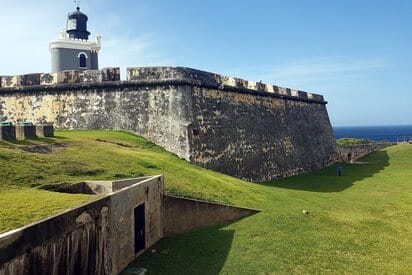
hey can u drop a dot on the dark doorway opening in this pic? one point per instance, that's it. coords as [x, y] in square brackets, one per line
[139, 229]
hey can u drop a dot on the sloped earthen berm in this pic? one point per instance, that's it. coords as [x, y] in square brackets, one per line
[246, 129]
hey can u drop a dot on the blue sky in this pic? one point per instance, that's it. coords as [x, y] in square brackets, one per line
[356, 53]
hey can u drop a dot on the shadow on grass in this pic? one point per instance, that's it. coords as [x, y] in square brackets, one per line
[327, 180]
[198, 252]
[33, 141]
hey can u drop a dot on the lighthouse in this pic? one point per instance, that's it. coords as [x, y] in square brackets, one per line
[73, 50]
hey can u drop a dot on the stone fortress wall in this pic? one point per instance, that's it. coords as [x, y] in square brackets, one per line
[246, 129]
[353, 152]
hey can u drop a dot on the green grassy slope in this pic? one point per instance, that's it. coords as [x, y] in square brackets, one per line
[99, 155]
[358, 223]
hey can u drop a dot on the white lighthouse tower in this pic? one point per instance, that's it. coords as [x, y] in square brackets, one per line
[73, 50]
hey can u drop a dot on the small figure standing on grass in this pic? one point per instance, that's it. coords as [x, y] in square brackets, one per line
[339, 169]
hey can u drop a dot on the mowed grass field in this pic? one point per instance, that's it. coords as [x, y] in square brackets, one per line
[358, 223]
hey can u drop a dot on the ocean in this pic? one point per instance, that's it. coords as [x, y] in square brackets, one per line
[377, 133]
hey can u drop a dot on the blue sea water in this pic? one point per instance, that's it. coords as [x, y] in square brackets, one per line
[377, 133]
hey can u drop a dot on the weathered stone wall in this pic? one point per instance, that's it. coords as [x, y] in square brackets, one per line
[97, 238]
[243, 128]
[182, 215]
[348, 153]
[258, 137]
[159, 113]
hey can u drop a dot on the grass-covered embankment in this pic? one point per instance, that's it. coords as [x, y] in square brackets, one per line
[353, 141]
[99, 155]
[358, 223]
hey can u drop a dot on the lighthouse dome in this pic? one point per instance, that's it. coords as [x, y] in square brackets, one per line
[77, 25]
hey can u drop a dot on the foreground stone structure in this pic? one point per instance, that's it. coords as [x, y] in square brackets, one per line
[104, 236]
[246, 129]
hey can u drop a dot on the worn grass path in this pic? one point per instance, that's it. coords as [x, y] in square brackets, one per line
[358, 223]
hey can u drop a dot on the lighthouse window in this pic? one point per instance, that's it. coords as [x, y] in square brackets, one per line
[82, 59]
[72, 24]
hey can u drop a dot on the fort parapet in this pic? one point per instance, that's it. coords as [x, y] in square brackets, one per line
[247, 129]
[19, 82]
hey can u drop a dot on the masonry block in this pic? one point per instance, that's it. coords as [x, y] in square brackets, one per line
[302, 94]
[261, 87]
[251, 85]
[110, 74]
[45, 130]
[293, 92]
[269, 88]
[7, 132]
[25, 132]
[69, 77]
[91, 76]
[283, 91]
[30, 79]
[229, 81]
[11, 81]
[48, 79]
[317, 97]
[241, 83]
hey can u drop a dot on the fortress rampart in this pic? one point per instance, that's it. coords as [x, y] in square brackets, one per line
[247, 129]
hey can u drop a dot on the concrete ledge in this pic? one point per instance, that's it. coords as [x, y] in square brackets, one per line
[181, 215]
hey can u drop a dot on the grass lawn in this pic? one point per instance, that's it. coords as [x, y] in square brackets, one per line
[358, 223]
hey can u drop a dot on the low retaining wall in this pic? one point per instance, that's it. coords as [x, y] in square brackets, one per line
[100, 237]
[96, 238]
[348, 153]
[182, 215]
